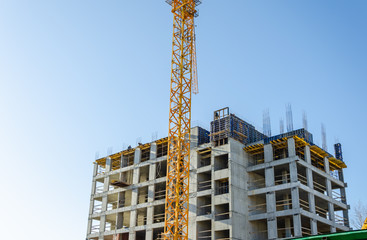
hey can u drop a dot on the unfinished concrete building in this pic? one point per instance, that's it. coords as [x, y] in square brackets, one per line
[243, 185]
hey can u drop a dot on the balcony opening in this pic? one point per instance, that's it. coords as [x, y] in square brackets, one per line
[125, 198]
[159, 191]
[95, 226]
[99, 187]
[142, 195]
[162, 149]
[221, 162]
[97, 206]
[280, 152]
[140, 234]
[222, 235]
[144, 174]
[204, 181]
[204, 157]
[221, 186]
[141, 218]
[257, 204]
[222, 212]
[128, 159]
[204, 205]
[285, 227]
[204, 230]
[158, 233]
[158, 213]
[145, 154]
[161, 169]
[112, 201]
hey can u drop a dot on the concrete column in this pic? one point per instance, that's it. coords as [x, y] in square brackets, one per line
[137, 155]
[270, 196]
[269, 177]
[150, 215]
[108, 164]
[132, 235]
[149, 234]
[332, 216]
[297, 226]
[272, 221]
[91, 205]
[102, 225]
[133, 216]
[287, 200]
[326, 165]
[272, 228]
[293, 171]
[314, 227]
[307, 154]
[153, 151]
[194, 138]
[311, 197]
[119, 220]
[343, 195]
[268, 153]
[291, 147]
[151, 189]
[330, 194]
[134, 192]
[269, 171]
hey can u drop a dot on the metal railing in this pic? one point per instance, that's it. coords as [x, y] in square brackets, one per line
[222, 190]
[95, 229]
[205, 209]
[258, 183]
[204, 185]
[257, 209]
[158, 218]
[222, 216]
[99, 189]
[158, 195]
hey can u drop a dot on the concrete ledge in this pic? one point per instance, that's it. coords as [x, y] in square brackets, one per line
[205, 193]
[323, 196]
[272, 163]
[288, 212]
[273, 188]
[204, 217]
[134, 166]
[138, 185]
[220, 199]
[222, 225]
[220, 174]
[323, 220]
[204, 169]
[322, 173]
[129, 208]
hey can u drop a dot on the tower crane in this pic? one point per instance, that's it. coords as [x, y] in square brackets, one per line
[183, 81]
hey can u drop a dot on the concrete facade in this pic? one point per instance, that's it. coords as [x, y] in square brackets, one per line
[280, 191]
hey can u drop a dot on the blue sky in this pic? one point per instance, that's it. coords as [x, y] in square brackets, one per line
[79, 77]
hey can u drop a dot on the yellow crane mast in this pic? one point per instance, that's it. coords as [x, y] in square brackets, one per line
[183, 70]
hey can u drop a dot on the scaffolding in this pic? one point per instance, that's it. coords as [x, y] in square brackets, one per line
[227, 125]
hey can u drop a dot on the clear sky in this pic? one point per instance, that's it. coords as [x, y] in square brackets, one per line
[79, 77]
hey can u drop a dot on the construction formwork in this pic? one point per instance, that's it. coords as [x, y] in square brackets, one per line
[226, 125]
